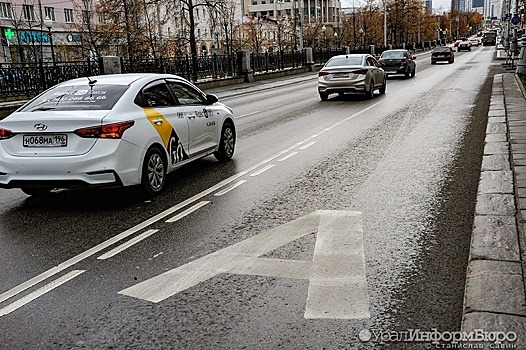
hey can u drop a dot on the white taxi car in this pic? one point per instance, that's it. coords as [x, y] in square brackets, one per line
[112, 130]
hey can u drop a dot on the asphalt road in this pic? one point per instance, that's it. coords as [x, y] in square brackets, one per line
[335, 223]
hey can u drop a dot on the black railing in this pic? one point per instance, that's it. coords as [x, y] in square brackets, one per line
[25, 80]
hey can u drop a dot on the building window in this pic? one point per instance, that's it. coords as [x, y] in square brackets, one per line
[68, 15]
[29, 12]
[86, 17]
[5, 10]
[102, 18]
[49, 12]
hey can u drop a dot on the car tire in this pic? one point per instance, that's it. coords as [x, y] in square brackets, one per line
[383, 87]
[413, 72]
[433, 62]
[406, 74]
[227, 142]
[451, 61]
[324, 96]
[370, 94]
[153, 172]
[36, 191]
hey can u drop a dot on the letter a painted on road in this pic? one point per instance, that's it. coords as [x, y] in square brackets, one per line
[336, 274]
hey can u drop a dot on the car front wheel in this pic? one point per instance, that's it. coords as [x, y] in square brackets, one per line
[226, 143]
[153, 172]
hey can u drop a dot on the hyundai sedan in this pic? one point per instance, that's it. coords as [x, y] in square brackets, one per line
[112, 130]
[352, 73]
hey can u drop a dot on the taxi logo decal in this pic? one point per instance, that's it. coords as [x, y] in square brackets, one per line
[168, 135]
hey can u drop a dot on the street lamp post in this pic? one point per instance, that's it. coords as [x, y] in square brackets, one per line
[49, 24]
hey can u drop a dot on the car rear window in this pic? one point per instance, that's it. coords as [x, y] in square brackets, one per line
[442, 49]
[345, 61]
[393, 54]
[77, 97]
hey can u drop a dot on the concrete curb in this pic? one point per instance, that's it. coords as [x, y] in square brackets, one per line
[495, 298]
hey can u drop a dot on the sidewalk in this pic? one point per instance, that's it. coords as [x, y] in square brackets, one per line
[495, 299]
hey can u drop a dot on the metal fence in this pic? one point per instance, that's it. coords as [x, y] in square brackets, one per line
[20, 81]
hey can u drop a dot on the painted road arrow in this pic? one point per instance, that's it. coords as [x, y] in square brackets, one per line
[336, 274]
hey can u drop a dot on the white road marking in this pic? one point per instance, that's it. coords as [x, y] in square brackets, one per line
[287, 156]
[188, 211]
[39, 292]
[230, 188]
[338, 286]
[262, 170]
[127, 245]
[80, 257]
[246, 115]
[307, 145]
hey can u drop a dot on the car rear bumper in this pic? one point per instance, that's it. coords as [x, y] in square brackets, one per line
[113, 163]
[341, 86]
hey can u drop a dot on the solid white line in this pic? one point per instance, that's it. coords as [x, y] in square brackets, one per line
[230, 188]
[246, 115]
[39, 292]
[262, 170]
[308, 145]
[68, 263]
[287, 156]
[127, 245]
[188, 211]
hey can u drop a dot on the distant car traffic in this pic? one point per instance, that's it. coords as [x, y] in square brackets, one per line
[464, 45]
[352, 73]
[398, 62]
[442, 54]
[475, 42]
[459, 40]
[112, 130]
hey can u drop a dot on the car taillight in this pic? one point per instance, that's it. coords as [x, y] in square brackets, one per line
[108, 131]
[360, 71]
[380, 61]
[322, 73]
[5, 134]
[404, 61]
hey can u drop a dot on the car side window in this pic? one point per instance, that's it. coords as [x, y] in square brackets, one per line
[155, 95]
[371, 62]
[185, 94]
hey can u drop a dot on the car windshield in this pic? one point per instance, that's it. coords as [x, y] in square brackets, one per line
[345, 61]
[393, 54]
[77, 97]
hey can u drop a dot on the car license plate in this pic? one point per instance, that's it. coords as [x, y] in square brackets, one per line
[340, 75]
[55, 140]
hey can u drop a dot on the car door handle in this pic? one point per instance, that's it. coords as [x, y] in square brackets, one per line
[157, 121]
[191, 116]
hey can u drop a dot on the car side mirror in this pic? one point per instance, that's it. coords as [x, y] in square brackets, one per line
[211, 99]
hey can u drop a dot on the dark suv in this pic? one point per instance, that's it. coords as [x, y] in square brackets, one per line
[398, 62]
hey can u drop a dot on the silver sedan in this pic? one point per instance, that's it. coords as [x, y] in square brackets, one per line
[352, 73]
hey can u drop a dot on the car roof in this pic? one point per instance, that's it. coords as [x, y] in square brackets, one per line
[120, 79]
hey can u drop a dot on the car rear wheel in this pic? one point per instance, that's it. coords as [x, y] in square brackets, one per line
[324, 96]
[413, 73]
[370, 93]
[153, 172]
[36, 191]
[227, 142]
[406, 74]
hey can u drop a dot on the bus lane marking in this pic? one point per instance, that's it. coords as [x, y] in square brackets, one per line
[336, 274]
